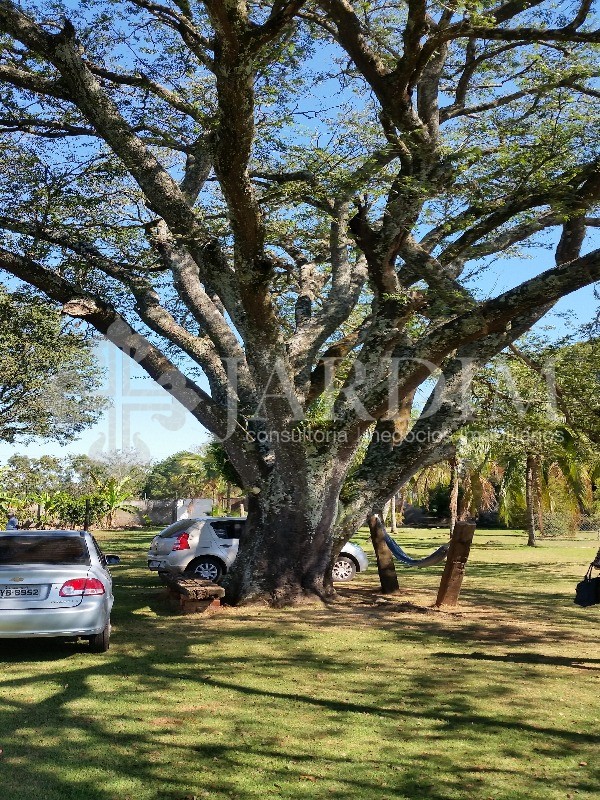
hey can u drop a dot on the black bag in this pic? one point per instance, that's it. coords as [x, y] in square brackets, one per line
[587, 591]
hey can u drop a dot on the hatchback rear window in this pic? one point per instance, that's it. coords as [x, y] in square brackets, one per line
[175, 528]
[52, 550]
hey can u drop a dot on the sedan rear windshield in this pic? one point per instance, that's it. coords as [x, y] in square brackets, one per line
[52, 550]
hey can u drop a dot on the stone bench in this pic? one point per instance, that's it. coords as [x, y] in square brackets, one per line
[193, 595]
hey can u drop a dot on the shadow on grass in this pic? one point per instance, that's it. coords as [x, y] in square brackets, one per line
[107, 747]
[542, 659]
[140, 756]
[271, 685]
[31, 651]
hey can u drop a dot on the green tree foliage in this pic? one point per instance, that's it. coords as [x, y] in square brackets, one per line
[186, 474]
[219, 466]
[76, 474]
[120, 466]
[49, 491]
[111, 495]
[540, 405]
[537, 414]
[26, 476]
[48, 374]
[179, 475]
[577, 370]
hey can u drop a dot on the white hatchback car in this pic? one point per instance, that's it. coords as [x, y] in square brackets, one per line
[207, 547]
[55, 583]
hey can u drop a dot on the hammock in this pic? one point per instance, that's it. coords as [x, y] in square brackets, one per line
[405, 560]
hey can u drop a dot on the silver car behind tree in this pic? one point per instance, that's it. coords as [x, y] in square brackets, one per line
[55, 584]
[208, 546]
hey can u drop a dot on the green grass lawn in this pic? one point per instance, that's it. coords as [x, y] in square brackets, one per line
[367, 699]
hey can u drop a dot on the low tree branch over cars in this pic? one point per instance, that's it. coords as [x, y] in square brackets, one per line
[207, 205]
[48, 374]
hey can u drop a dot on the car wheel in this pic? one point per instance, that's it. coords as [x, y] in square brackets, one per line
[207, 568]
[99, 642]
[344, 569]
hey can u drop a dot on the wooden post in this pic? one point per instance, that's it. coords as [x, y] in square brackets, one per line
[385, 560]
[393, 508]
[454, 571]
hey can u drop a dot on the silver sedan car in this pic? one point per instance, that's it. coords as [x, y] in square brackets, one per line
[55, 583]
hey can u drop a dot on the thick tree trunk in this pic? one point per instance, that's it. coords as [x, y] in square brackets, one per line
[456, 561]
[286, 550]
[385, 560]
[530, 499]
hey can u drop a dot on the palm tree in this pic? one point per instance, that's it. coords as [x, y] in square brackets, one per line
[541, 484]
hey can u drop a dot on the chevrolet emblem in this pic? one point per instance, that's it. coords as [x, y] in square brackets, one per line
[16, 580]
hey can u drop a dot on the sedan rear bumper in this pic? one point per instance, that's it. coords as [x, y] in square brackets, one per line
[28, 623]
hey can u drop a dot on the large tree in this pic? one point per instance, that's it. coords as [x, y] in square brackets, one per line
[48, 373]
[291, 199]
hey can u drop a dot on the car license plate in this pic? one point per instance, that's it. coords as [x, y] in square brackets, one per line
[25, 592]
[153, 564]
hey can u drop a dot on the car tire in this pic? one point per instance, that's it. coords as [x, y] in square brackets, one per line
[207, 568]
[344, 569]
[99, 642]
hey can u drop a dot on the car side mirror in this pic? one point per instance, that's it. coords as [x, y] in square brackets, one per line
[112, 561]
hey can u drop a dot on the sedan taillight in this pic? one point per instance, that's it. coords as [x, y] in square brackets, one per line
[79, 587]
[182, 542]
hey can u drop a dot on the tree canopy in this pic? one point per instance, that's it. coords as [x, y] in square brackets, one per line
[48, 374]
[283, 211]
